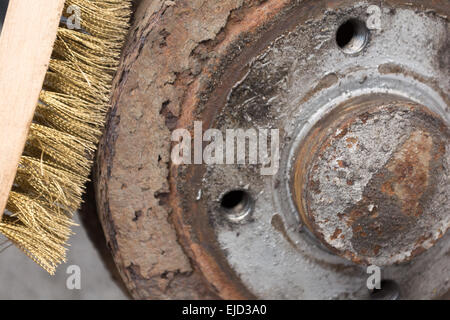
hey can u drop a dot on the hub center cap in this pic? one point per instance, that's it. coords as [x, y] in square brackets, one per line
[371, 180]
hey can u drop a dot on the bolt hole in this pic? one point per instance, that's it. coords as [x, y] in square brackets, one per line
[352, 36]
[237, 205]
[389, 291]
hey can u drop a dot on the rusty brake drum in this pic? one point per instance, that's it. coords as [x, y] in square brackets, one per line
[359, 94]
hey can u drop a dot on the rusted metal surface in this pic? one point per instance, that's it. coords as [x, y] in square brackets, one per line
[297, 76]
[372, 181]
[272, 64]
[132, 172]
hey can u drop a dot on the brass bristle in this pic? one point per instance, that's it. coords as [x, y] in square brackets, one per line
[62, 139]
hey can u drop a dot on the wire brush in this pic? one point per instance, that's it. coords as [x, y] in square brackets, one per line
[66, 126]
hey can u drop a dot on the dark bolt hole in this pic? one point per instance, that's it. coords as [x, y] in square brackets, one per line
[235, 200]
[237, 205]
[389, 291]
[352, 36]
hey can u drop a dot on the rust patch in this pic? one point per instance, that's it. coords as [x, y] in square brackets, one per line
[410, 169]
[351, 141]
[336, 234]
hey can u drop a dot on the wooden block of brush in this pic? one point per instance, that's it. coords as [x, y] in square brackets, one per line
[26, 43]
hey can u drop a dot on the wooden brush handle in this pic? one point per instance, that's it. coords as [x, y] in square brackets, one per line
[26, 43]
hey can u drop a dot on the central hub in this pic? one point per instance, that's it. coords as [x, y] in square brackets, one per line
[371, 180]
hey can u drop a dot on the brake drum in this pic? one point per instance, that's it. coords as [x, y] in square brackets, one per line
[359, 94]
